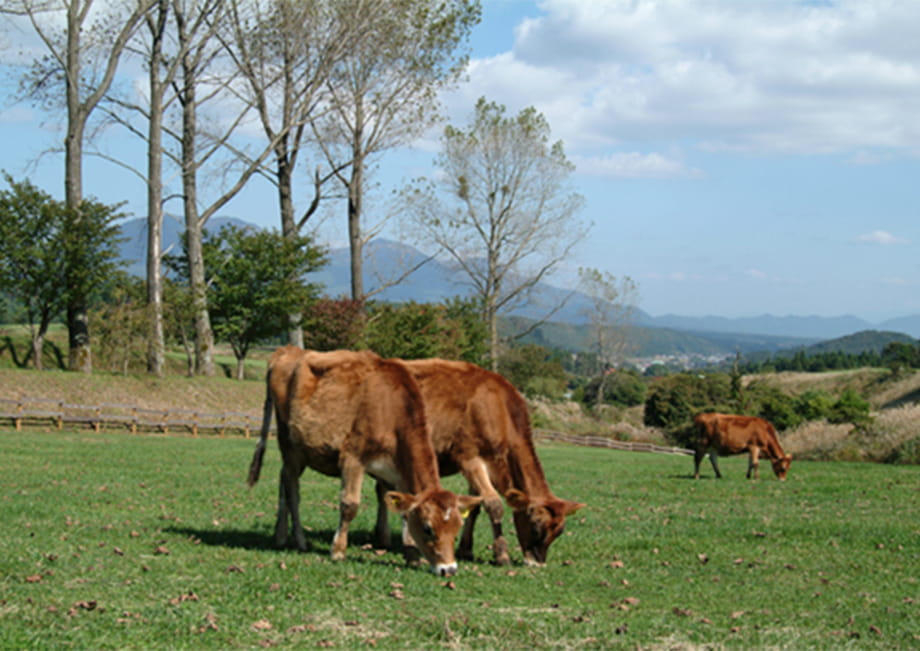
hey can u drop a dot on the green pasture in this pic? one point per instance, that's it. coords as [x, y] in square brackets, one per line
[113, 541]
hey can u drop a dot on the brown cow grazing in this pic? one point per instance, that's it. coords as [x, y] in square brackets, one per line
[729, 434]
[346, 413]
[480, 427]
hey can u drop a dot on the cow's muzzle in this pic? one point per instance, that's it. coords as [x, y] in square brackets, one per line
[444, 569]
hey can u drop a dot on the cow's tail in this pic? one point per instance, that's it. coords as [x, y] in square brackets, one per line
[255, 466]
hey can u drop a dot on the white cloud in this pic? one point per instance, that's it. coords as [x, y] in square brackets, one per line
[779, 76]
[756, 273]
[633, 165]
[880, 237]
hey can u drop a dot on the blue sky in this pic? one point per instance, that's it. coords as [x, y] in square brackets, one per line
[736, 158]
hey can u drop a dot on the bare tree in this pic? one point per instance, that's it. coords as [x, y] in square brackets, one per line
[82, 57]
[506, 214]
[384, 91]
[285, 51]
[612, 302]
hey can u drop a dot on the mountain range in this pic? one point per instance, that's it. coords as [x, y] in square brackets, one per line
[435, 280]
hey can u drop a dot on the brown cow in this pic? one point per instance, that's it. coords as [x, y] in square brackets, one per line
[729, 434]
[346, 413]
[480, 427]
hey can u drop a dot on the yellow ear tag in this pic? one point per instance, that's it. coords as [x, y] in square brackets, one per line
[464, 513]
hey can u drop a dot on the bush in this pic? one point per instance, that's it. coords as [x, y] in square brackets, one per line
[623, 388]
[850, 408]
[673, 400]
[907, 452]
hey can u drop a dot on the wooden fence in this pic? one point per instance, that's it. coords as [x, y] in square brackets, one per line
[601, 442]
[44, 411]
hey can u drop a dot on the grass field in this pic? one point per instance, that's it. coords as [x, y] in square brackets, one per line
[113, 541]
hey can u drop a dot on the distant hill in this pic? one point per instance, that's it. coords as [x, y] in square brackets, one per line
[653, 341]
[436, 280]
[134, 249]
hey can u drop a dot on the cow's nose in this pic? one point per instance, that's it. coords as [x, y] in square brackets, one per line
[448, 569]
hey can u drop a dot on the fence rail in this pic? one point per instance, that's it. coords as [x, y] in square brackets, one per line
[44, 411]
[601, 442]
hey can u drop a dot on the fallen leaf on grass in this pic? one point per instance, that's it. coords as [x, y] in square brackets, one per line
[188, 596]
[302, 628]
[682, 612]
[161, 550]
[617, 564]
[397, 594]
[261, 625]
[450, 585]
[703, 558]
[34, 578]
[210, 624]
[82, 605]
[737, 614]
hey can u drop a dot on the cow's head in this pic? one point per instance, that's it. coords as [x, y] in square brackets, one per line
[434, 518]
[538, 522]
[781, 466]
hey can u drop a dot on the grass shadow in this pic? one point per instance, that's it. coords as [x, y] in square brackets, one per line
[318, 541]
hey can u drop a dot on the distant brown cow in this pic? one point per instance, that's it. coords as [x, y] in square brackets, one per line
[480, 427]
[346, 413]
[727, 434]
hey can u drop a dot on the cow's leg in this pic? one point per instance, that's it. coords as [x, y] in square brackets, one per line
[349, 500]
[289, 507]
[753, 462]
[697, 459]
[281, 521]
[382, 528]
[477, 475]
[410, 550]
[713, 455]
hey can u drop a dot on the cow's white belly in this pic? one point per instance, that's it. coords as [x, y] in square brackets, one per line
[385, 470]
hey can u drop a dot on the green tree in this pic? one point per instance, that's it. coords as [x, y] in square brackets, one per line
[256, 283]
[121, 325]
[50, 253]
[451, 330]
[534, 370]
[31, 266]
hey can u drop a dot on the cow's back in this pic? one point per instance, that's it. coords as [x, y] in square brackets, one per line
[466, 408]
[732, 434]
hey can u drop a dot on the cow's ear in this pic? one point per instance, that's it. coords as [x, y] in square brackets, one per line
[517, 500]
[570, 507]
[400, 502]
[466, 504]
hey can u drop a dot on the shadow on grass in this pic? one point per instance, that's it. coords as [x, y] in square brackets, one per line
[318, 541]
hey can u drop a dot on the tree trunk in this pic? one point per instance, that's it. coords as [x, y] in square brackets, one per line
[38, 344]
[156, 345]
[204, 334]
[356, 245]
[288, 224]
[80, 356]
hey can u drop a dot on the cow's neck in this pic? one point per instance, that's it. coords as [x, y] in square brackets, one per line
[418, 466]
[773, 450]
[526, 471]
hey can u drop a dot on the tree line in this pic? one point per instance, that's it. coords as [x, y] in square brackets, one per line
[305, 95]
